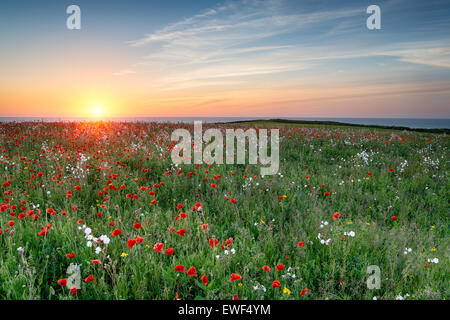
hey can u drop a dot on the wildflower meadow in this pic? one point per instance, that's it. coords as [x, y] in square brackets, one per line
[98, 210]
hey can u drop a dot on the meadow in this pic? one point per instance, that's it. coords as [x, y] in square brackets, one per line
[97, 210]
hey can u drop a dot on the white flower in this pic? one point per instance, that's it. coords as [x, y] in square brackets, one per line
[233, 251]
[105, 239]
[98, 250]
[89, 244]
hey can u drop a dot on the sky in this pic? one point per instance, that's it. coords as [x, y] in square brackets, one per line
[241, 58]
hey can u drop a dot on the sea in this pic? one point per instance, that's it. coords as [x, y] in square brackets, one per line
[424, 123]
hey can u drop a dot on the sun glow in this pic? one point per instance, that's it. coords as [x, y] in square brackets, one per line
[97, 111]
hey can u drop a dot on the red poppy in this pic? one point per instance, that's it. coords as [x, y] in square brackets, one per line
[235, 277]
[303, 292]
[70, 255]
[158, 247]
[62, 282]
[394, 218]
[131, 243]
[96, 261]
[11, 223]
[137, 226]
[192, 272]
[89, 279]
[280, 267]
[336, 215]
[204, 226]
[300, 244]
[74, 290]
[169, 251]
[326, 193]
[116, 232]
[266, 268]
[181, 232]
[179, 268]
[204, 280]
[276, 284]
[213, 242]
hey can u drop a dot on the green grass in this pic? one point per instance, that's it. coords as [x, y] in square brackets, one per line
[265, 229]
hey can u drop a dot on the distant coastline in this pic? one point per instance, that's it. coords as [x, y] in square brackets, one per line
[394, 123]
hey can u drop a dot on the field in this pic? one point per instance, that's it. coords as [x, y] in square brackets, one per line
[97, 210]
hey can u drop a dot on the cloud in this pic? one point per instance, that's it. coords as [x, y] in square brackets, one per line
[243, 42]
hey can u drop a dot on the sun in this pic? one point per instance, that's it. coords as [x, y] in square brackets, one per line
[97, 111]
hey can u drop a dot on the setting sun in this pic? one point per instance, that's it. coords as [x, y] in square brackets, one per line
[97, 111]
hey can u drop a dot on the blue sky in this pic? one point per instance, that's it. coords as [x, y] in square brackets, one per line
[225, 58]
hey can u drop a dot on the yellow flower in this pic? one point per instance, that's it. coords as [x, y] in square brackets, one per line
[433, 249]
[284, 196]
[349, 222]
[368, 223]
[286, 290]
[262, 221]
[432, 227]
[124, 254]
[367, 178]
[240, 284]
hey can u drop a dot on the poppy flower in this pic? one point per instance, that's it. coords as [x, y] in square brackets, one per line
[11, 223]
[300, 244]
[169, 251]
[326, 193]
[204, 226]
[235, 277]
[213, 242]
[303, 292]
[70, 255]
[235, 297]
[394, 218]
[192, 272]
[89, 279]
[266, 268]
[62, 282]
[280, 267]
[131, 243]
[181, 232]
[204, 280]
[139, 239]
[96, 261]
[74, 290]
[336, 215]
[116, 232]
[276, 284]
[179, 268]
[158, 247]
